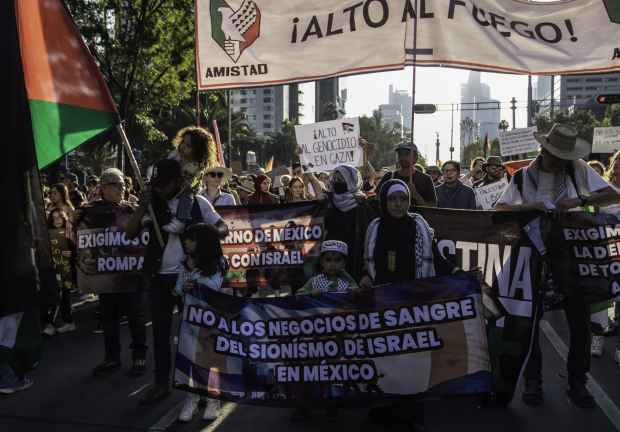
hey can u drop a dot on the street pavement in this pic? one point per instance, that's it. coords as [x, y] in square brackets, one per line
[66, 397]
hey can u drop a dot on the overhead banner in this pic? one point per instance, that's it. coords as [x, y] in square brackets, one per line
[275, 244]
[326, 145]
[245, 43]
[421, 338]
[585, 250]
[107, 262]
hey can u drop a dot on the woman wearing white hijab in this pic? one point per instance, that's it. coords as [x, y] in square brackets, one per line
[341, 199]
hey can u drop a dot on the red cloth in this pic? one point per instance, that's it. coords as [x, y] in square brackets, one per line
[511, 167]
[258, 193]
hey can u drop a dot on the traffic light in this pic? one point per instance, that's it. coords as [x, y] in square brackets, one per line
[425, 109]
[608, 99]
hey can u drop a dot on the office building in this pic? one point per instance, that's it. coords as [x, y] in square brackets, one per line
[477, 105]
[266, 107]
[301, 102]
[330, 90]
[392, 115]
[404, 99]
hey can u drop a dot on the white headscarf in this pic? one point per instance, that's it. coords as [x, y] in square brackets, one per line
[348, 200]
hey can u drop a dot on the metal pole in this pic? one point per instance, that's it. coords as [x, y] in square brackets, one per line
[452, 133]
[229, 132]
[134, 164]
[552, 96]
[514, 109]
[415, 57]
[529, 100]
[197, 109]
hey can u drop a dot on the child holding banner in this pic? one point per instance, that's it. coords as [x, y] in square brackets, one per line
[332, 279]
[205, 265]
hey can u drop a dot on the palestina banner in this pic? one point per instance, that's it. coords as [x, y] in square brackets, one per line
[107, 262]
[423, 338]
[248, 43]
[275, 244]
[507, 247]
[585, 251]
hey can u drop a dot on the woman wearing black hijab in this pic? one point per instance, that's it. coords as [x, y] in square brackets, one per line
[393, 241]
[397, 236]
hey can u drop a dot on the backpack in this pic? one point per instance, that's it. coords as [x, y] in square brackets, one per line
[570, 170]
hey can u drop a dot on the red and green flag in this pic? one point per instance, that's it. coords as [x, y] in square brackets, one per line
[68, 98]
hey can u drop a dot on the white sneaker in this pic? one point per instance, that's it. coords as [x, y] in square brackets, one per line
[87, 297]
[175, 227]
[66, 328]
[190, 409]
[596, 349]
[49, 330]
[212, 409]
[147, 220]
[10, 390]
[617, 356]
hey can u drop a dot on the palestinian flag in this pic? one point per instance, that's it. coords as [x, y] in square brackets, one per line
[487, 142]
[68, 98]
[20, 340]
[269, 166]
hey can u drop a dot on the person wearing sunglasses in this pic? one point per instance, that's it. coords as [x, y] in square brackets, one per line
[452, 193]
[435, 174]
[494, 171]
[213, 180]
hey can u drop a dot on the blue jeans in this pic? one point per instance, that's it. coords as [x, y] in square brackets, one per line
[186, 201]
[10, 378]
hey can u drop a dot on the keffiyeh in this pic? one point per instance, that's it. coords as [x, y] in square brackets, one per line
[531, 178]
[348, 200]
[322, 284]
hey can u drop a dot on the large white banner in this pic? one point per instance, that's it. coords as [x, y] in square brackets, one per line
[245, 43]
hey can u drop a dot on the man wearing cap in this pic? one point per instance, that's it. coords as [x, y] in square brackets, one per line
[435, 173]
[75, 196]
[494, 171]
[559, 180]
[421, 187]
[161, 265]
[245, 189]
[212, 180]
[452, 193]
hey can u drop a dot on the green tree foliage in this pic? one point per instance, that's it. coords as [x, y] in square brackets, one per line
[330, 111]
[95, 158]
[281, 145]
[384, 139]
[504, 125]
[582, 120]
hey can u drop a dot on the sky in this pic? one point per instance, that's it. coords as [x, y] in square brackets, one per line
[435, 85]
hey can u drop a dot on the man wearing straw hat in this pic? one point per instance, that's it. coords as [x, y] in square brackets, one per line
[558, 181]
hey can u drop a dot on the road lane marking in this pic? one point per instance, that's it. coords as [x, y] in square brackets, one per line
[606, 404]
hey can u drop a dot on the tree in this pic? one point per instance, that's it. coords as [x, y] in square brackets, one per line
[582, 120]
[535, 109]
[504, 125]
[94, 157]
[281, 144]
[144, 49]
[469, 131]
[330, 111]
[384, 139]
[472, 151]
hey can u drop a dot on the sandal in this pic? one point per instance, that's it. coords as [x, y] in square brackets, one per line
[532, 394]
[581, 395]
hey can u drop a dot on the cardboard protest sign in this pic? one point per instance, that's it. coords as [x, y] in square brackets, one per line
[606, 140]
[420, 338]
[487, 196]
[326, 145]
[518, 141]
[58, 240]
[272, 244]
[108, 262]
[277, 172]
[584, 249]
[236, 167]
[250, 43]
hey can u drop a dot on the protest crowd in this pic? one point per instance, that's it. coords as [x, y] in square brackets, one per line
[181, 198]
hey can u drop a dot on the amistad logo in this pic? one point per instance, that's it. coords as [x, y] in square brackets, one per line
[234, 30]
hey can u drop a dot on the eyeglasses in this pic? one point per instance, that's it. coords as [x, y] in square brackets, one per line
[216, 174]
[119, 185]
[499, 167]
[449, 171]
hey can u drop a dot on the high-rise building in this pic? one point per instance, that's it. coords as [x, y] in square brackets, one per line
[330, 90]
[576, 91]
[301, 102]
[486, 117]
[404, 99]
[392, 115]
[266, 108]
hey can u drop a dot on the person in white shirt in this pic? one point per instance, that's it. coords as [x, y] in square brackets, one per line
[160, 267]
[213, 179]
[558, 181]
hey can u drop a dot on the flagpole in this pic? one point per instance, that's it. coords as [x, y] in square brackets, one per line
[136, 169]
[415, 56]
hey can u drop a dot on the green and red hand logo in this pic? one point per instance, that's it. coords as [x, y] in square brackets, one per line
[234, 30]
